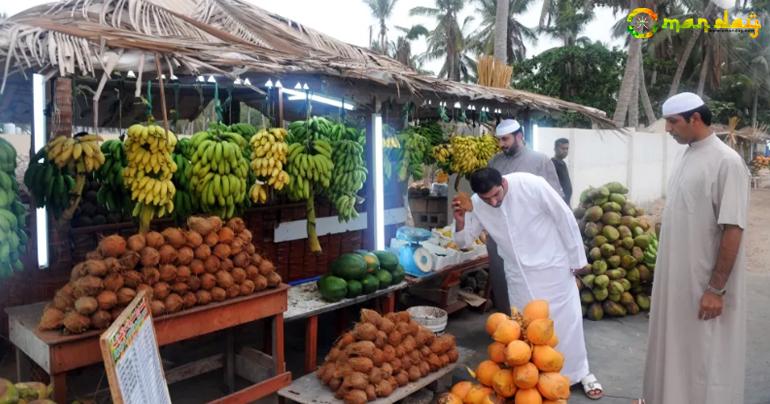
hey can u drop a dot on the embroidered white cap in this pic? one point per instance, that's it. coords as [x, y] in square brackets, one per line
[682, 102]
[506, 127]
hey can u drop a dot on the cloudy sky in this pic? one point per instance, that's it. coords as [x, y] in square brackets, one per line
[349, 20]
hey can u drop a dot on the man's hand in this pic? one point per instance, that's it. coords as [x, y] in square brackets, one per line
[459, 215]
[710, 306]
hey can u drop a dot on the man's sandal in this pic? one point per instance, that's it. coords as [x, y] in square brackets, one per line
[591, 387]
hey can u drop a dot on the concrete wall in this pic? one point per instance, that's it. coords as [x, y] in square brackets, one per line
[641, 160]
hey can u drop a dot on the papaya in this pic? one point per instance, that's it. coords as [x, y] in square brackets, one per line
[332, 288]
[354, 288]
[370, 284]
[384, 277]
[349, 266]
[388, 261]
[372, 262]
[632, 308]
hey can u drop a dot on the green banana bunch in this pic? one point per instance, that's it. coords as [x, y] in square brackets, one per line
[348, 177]
[219, 171]
[415, 148]
[112, 190]
[184, 203]
[13, 214]
[310, 167]
[49, 185]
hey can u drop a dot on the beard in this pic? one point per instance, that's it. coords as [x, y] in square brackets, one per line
[511, 150]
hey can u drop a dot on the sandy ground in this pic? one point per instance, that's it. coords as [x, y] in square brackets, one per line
[758, 235]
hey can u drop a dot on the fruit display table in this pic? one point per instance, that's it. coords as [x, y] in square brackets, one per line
[450, 278]
[305, 303]
[309, 390]
[58, 354]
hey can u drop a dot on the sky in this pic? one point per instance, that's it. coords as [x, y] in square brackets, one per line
[349, 20]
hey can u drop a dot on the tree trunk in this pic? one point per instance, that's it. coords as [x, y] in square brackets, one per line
[501, 30]
[383, 37]
[754, 108]
[704, 69]
[648, 111]
[544, 13]
[686, 55]
[627, 85]
[633, 107]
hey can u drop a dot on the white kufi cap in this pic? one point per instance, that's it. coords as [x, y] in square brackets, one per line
[507, 126]
[682, 102]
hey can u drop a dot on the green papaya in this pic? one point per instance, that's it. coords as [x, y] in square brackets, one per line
[354, 288]
[616, 287]
[624, 231]
[384, 277]
[332, 288]
[628, 242]
[370, 284]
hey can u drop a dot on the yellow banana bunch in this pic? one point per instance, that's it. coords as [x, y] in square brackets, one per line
[467, 153]
[148, 175]
[391, 142]
[268, 159]
[81, 152]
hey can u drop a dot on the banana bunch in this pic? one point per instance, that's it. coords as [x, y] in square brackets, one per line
[112, 190]
[13, 214]
[310, 166]
[415, 148]
[149, 172]
[219, 171]
[80, 151]
[651, 252]
[268, 159]
[391, 142]
[348, 177]
[184, 203]
[465, 154]
[487, 146]
[49, 185]
[442, 154]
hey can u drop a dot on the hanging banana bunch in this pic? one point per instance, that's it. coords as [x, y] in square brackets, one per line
[112, 190]
[149, 172]
[269, 153]
[349, 172]
[219, 170]
[184, 203]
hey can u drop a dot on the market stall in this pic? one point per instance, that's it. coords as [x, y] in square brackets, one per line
[310, 188]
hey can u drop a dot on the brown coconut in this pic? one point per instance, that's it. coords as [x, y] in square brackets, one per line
[167, 254]
[212, 264]
[211, 239]
[239, 275]
[132, 279]
[249, 248]
[209, 281]
[173, 303]
[101, 319]
[150, 275]
[236, 246]
[218, 294]
[226, 264]
[161, 290]
[202, 252]
[236, 224]
[148, 290]
[130, 260]
[158, 308]
[197, 267]
[266, 267]
[87, 286]
[125, 296]
[245, 235]
[167, 273]
[194, 283]
[247, 287]
[52, 319]
[241, 260]
[150, 257]
[193, 239]
[175, 237]
[180, 288]
[154, 239]
[136, 242]
[107, 299]
[203, 296]
[224, 279]
[112, 246]
[273, 279]
[189, 300]
[75, 322]
[185, 255]
[252, 272]
[183, 273]
[63, 299]
[260, 283]
[78, 271]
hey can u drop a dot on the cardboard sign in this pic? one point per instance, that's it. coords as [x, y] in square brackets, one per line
[131, 357]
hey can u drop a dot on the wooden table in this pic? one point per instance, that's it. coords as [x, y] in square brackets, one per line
[309, 390]
[58, 354]
[305, 302]
[451, 274]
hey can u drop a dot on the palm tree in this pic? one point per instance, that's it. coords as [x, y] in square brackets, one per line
[569, 17]
[447, 39]
[501, 29]
[483, 40]
[381, 10]
[696, 7]
[402, 48]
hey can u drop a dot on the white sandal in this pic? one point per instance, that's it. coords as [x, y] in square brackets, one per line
[591, 386]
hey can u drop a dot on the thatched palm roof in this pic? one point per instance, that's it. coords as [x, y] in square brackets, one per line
[230, 37]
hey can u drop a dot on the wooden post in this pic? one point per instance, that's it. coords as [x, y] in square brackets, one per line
[60, 255]
[311, 344]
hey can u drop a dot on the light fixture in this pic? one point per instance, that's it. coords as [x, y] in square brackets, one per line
[429, 102]
[201, 79]
[268, 83]
[295, 95]
[174, 77]
[212, 79]
[131, 74]
[237, 81]
[41, 215]
[379, 187]
[162, 76]
[535, 136]
[298, 86]
[247, 82]
[278, 84]
[305, 87]
[457, 105]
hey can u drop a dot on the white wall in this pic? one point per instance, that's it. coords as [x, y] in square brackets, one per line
[641, 160]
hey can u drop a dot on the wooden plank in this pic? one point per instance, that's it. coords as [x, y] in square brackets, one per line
[257, 391]
[305, 301]
[56, 352]
[253, 365]
[195, 368]
[309, 390]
